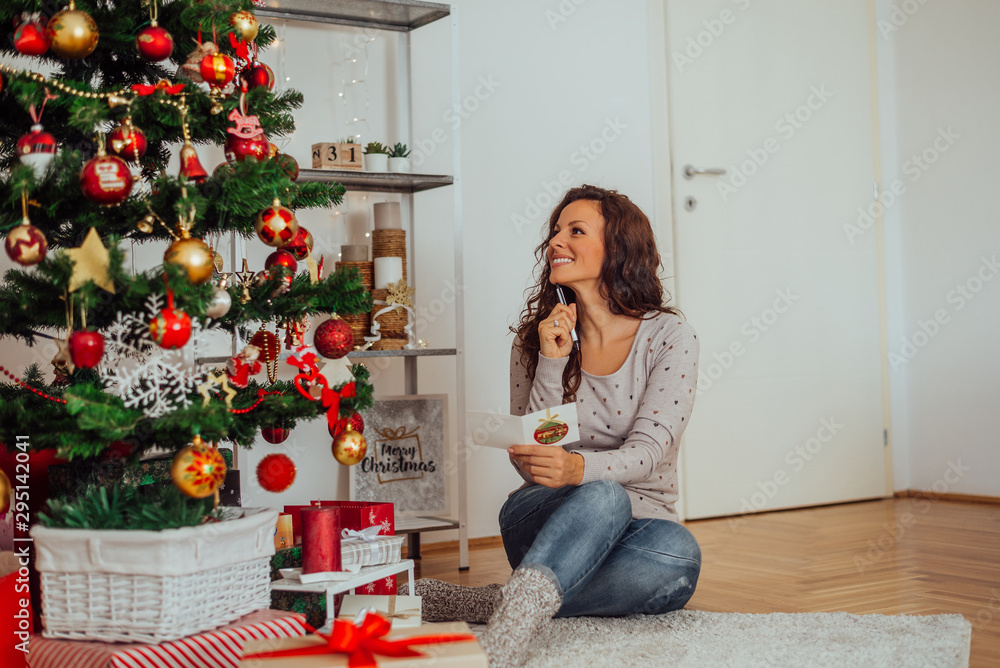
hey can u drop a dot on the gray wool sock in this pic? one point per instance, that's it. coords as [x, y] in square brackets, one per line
[527, 602]
[446, 602]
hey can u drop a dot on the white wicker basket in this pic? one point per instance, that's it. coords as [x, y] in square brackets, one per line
[153, 586]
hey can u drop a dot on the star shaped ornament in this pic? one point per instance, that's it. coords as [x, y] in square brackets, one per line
[90, 263]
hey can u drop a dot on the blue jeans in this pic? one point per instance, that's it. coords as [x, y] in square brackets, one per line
[604, 563]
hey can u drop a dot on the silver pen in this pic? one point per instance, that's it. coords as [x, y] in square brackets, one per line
[562, 300]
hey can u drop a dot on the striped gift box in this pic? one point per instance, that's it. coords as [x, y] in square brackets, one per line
[379, 550]
[221, 648]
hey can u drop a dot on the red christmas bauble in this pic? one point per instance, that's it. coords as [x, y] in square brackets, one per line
[276, 472]
[275, 434]
[127, 142]
[288, 165]
[154, 43]
[217, 70]
[301, 245]
[30, 39]
[356, 422]
[106, 180]
[36, 149]
[277, 225]
[334, 338]
[86, 349]
[171, 328]
[268, 344]
[26, 245]
[257, 75]
[281, 258]
[239, 149]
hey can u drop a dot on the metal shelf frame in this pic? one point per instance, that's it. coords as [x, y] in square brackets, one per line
[404, 16]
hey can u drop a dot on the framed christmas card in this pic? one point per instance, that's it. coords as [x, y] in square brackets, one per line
[407, 455]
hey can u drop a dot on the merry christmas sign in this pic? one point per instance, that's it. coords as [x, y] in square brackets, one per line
[405, 463]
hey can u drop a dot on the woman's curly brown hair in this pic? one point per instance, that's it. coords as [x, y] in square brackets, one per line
[630, 280]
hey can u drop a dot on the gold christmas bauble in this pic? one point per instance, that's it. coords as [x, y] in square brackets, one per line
[246, 25]
[72, 33]
[198, 470]
[195, 256]
[4, 492]
[349, 447]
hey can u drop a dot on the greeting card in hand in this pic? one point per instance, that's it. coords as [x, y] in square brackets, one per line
[552, 426]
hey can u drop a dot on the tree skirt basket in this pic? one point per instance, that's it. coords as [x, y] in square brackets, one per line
[153, 586]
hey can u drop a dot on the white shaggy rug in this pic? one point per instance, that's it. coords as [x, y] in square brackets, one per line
[690, 638]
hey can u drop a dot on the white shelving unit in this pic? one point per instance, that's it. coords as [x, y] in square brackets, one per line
[403, 16]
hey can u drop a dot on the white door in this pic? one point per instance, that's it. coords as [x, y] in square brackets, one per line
[772, 267]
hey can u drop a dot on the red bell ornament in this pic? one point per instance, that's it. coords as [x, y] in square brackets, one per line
[171, 328]
[26, 244]
[86, 349]
[217, 70]
[30, 39]
[334, 338]
[276, 225]
[154, 43]
[106, 179]
[191, 168]
[128, 142]
[258, 75]
[37, 149]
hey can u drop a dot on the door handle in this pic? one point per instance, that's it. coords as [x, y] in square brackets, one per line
[690, 172]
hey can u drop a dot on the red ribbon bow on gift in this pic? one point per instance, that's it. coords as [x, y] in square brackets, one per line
[162, 84]
[362, 642]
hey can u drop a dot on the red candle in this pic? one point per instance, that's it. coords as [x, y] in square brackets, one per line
[320, 540]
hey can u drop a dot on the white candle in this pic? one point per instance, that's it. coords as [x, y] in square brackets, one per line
[354, 253]
[387, 216]
[388, 270]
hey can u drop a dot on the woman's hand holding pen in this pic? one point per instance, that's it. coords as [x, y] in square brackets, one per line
[554, 332]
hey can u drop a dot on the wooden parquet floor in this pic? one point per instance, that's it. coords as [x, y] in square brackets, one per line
[891, 556]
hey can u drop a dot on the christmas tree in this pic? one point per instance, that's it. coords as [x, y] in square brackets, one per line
[87, 148]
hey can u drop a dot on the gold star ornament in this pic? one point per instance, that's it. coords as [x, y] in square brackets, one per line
[90, 263]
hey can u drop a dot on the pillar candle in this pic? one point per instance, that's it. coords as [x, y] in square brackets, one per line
[388, 270]
[354, 253]
[320, 540]
[387, 216]
[285, 536]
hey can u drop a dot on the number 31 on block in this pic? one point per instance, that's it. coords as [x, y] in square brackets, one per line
[336, 156]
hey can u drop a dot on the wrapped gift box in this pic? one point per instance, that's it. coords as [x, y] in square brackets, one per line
[288, 558]
[63, 478]
[402, 611]
[312, 604]
[465, 653]
[222, 647]
[381, 550]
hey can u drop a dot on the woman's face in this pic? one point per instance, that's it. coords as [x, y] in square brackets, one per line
[576, 248]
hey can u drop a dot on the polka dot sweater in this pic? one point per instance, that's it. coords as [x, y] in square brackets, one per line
[631, 420]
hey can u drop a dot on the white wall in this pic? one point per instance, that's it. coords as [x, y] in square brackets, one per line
[938, 73]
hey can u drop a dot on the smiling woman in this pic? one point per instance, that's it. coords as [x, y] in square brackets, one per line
[593, 531]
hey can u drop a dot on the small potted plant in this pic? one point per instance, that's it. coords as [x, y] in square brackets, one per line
[398, 158]
[376, 157]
